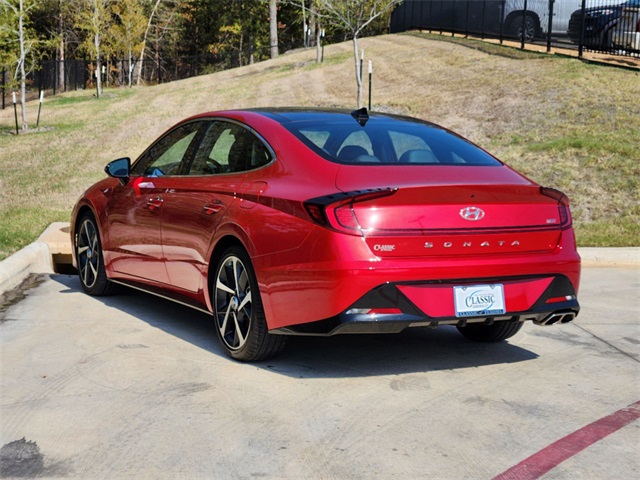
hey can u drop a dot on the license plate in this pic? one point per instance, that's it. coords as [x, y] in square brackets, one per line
[479, 300]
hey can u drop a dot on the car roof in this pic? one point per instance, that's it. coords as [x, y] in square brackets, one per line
[294, 114]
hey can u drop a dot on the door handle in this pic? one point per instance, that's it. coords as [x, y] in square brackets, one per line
[212, 207]
[154, 203]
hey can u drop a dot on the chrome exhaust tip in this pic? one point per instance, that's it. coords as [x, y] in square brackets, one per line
[553, 318]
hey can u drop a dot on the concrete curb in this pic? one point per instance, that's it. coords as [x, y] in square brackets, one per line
[610, 257]
[33, 258]
[37, 257]
[55, 243]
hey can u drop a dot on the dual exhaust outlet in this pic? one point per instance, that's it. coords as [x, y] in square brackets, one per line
[561, 317]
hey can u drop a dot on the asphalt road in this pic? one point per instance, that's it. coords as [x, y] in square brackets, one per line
[135, 387]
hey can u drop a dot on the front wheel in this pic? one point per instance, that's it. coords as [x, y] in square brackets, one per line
[237, 308]
[495, 332]
[90, 259]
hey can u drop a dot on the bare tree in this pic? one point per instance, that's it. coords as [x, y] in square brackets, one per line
[351, 16]
[17, 30]
[144, 40]
[354, 16]
[129, 31]
[93, 17]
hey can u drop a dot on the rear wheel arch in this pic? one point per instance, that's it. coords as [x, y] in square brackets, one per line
[220, 247]
[82, 211]
[256, 343]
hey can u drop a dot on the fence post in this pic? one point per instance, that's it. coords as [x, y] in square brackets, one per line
[3, 89]
[502, 21]
[466, 27]
[524, 23]
[550, 26]
[484, 7]
[430, 16]
[582, 20]
[55, 75]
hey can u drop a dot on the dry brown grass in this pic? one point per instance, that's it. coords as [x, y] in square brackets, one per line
[565, 123]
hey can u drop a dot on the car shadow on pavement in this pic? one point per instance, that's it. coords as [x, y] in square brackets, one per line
[414, 350]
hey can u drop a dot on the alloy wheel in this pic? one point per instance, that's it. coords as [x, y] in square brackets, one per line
[88, 253]
[233, 302]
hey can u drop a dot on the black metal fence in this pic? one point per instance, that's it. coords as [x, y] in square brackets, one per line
[609, 26]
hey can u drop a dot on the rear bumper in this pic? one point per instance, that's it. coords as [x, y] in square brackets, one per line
[409, 309]
[337, 271]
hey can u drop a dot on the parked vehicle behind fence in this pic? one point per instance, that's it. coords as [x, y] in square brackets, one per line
[626, 34]
[600, 23]
[590, 24]
[536, 17]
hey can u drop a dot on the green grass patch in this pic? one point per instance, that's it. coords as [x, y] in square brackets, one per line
[611, 233]
[21, 226]
[622, 142]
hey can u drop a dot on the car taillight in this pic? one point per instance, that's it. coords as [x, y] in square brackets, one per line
[563, 204]
[336, 211]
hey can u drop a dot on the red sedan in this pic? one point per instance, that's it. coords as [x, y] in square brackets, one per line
[310, 222]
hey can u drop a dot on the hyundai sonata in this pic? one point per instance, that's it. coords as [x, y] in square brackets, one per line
[285, 222]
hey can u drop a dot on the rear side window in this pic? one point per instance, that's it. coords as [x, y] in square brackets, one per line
[388, 142]
[228, 148]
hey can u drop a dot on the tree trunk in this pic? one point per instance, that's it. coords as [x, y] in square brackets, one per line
[23, 75]
[251, 47]
[158, 55]
[61, 70]
[130, 68]
[304, 25]
[273, 28]
[318, 44]
[357, 64]
[96, 41]
[312, 27]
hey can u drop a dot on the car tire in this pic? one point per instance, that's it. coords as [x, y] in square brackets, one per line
[495, 332]
[238, 313]
[530, 28]
[90, 259]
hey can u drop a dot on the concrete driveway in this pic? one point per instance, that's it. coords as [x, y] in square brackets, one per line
[135, 387]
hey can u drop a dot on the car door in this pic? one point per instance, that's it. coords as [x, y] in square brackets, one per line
[134, 211]
[197, 202]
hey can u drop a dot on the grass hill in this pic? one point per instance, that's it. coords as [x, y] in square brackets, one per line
[564, 123]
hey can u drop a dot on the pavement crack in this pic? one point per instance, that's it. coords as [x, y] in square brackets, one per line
[626, 354]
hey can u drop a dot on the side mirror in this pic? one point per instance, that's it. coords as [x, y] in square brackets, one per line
[120, 169]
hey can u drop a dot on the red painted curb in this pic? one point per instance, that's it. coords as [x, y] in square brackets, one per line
[550, 457]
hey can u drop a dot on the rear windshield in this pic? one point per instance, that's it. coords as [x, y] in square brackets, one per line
[387, 142]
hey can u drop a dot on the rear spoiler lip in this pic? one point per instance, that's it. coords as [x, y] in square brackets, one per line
[353, 195]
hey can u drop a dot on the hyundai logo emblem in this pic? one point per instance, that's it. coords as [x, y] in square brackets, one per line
[472, 213]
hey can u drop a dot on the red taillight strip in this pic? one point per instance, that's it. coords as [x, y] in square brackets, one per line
[335, 211]
[563, 204]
